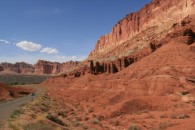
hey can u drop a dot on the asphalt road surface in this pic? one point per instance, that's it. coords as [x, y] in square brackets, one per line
[6, 109]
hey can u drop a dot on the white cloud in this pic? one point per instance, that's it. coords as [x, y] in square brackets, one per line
[32, 59]
[68, 58]
[4, 41]
[29, 46]
[49, 50]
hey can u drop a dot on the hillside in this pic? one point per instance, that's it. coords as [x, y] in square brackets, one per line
[140, 75]
[9, 92]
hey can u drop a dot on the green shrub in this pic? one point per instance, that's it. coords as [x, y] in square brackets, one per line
[37, 126]
[55, 119]
[62, 113]
[34, 116]
[183, 116]
[16, 113]
[134, 127]
[163, 126]
[43, 108]
[95, 121]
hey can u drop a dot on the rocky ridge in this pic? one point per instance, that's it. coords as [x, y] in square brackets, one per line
[47, 67]
[141, 79]
[40, 68]
[137, 29]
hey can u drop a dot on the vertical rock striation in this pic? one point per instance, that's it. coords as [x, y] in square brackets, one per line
[161, 14]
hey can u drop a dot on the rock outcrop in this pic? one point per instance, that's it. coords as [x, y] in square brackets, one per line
[47, 67]
[156, 18]
[8, 92]
[41, 67]
[19, 67]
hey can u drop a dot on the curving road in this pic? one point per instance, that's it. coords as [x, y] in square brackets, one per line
[7, 108]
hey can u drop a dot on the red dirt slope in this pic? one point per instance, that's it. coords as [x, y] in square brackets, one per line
[158, 85]
[8, 92]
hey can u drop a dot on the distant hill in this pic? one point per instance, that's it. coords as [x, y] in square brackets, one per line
[41, 67]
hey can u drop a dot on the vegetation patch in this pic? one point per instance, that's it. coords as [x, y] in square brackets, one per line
[16, 113]
[134, 127]
[40, 125]
[22, 79]
[55, 119]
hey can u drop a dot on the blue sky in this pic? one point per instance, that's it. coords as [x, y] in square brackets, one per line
[57, 30]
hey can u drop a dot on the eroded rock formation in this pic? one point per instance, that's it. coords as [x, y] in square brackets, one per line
[156, 18]
[41, 67]
[19, 67]
[47, 67]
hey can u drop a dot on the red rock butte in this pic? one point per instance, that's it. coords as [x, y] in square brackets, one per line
[41, 67]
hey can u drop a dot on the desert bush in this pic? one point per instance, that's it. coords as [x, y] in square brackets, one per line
[91, 110]
[163, 126]
[100, 117]
[43, 108]
[193, 103]
[134, 127]
[77, 123]
[16, 113]
[95, 121]
[14, 127]
[62, 113]
[85, 127]
[55, 119]
[86, 118]
[183, 116]
[78, 118]
[37, 126]
[22, 79]
[34, 116]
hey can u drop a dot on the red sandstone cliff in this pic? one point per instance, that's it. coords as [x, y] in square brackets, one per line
[41, 67]
[138, 29]
[47, 67]
[19, 67]
[8, 92]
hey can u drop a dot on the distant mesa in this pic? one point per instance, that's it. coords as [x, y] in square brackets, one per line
[41, 67]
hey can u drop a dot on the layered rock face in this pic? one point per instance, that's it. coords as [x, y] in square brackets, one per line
[157, 17]
[47, 67]
[8, 92]
[19, 67]
[41, 67]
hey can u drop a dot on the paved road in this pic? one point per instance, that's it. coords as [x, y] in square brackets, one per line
[7, 108]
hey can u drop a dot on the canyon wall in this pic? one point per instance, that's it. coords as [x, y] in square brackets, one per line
[47, 67]
[19, 67]
[161, 14]
[40, 68]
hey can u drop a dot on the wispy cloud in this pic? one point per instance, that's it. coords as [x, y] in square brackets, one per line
[29, 46]
[49, 50]
[68, 58]
[4, 41]
[32, 59]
